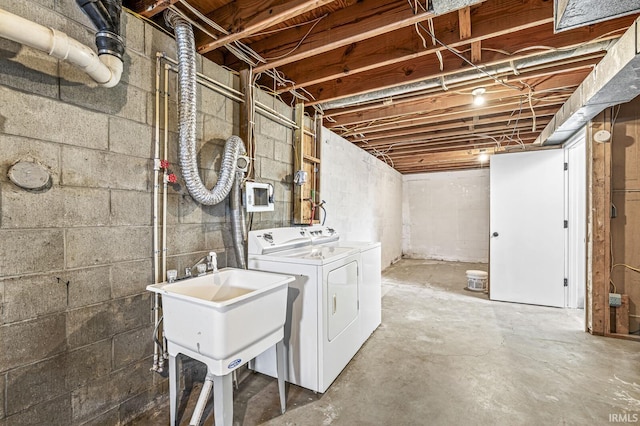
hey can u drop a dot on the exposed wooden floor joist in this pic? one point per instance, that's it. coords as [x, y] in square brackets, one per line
[379, 77]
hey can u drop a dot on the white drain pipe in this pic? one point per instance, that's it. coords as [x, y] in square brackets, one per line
[104, 69]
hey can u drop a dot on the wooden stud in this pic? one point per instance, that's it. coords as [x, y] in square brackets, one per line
[298, 208]
[403, 44]
[476, 52]
[339, 29]
[600, 201]
[464, 22]
[250, 20]
[421, 68]
[494, 32]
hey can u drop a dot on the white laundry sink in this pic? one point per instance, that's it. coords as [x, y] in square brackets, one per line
[220, 315]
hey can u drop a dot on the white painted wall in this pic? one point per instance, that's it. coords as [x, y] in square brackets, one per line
[446, 215]
[363, 195]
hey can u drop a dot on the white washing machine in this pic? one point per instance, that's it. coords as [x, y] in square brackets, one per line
[370, 290]
[322, 330]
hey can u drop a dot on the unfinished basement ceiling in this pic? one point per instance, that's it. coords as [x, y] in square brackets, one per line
[396, 77]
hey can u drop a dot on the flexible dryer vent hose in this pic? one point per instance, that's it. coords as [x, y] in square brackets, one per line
[187, 111]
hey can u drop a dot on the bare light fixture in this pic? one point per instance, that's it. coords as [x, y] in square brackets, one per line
[483, 157]
[478, 98]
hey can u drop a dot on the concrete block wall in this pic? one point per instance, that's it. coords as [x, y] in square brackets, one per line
[446, 215]
[75, 319]
[363, 195]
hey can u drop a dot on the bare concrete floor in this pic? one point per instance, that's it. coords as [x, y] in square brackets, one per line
[447, 356]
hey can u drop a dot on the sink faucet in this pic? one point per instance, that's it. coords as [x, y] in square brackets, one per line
[212, 261]
[211, 265]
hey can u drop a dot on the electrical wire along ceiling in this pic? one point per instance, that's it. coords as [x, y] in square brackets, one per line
[424, 86]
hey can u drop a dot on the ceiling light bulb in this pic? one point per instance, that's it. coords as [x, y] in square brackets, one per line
[483, 157]
[478, 99]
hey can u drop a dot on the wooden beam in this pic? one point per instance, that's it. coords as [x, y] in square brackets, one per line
[450, 104]
[455, 142]
[244, 18]
[447, 100]
[443, 137]
[375, 17]
[476, 51]
[428, 67]
[464, 22]
[461, 113]
[150, 8]
[404, 45]
[529, 77]
[599, 219]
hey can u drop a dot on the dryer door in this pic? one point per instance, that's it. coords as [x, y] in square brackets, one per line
[342, 298]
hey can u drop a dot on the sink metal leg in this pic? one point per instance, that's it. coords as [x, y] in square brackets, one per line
[282, 371]
[202, 400]
[223, 400]
[174, 377]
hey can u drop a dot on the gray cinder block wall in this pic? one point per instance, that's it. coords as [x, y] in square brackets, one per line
[75, 319]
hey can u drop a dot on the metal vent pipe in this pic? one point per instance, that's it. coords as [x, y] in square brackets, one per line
[187, 110]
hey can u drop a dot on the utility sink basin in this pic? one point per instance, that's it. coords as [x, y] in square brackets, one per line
[224, 318]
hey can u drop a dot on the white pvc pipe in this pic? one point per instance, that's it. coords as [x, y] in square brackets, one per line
[165, 175]
[106, 70]
[165, 200]
[156, 171]
[201, 404]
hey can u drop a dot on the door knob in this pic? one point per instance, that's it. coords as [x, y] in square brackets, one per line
[495, 234]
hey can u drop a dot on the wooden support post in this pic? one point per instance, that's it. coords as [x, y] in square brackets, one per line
[476, 51]
[464, 22]
[307, 159]
[599, 218]
[300, 203]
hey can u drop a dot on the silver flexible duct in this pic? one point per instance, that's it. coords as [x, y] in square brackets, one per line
[188, 153]
[238, 224]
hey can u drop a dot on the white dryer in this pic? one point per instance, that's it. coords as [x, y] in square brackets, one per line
[370, 290]
[370, 293]
[322, 330]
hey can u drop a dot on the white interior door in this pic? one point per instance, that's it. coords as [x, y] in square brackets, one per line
[527, 253]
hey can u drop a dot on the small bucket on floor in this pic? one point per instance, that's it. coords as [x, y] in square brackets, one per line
[476, 280]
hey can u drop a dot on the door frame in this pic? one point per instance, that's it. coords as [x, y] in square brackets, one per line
[576, 213]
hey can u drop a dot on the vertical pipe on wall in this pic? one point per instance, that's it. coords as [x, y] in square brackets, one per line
[237, 220]
[165, 175]
[156, 170]
[165, 200]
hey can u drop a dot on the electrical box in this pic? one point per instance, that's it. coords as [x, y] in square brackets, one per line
[615, 300]
[258, 197]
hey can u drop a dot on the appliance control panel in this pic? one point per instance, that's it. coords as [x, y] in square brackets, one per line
[322, 234]
[276, 239]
